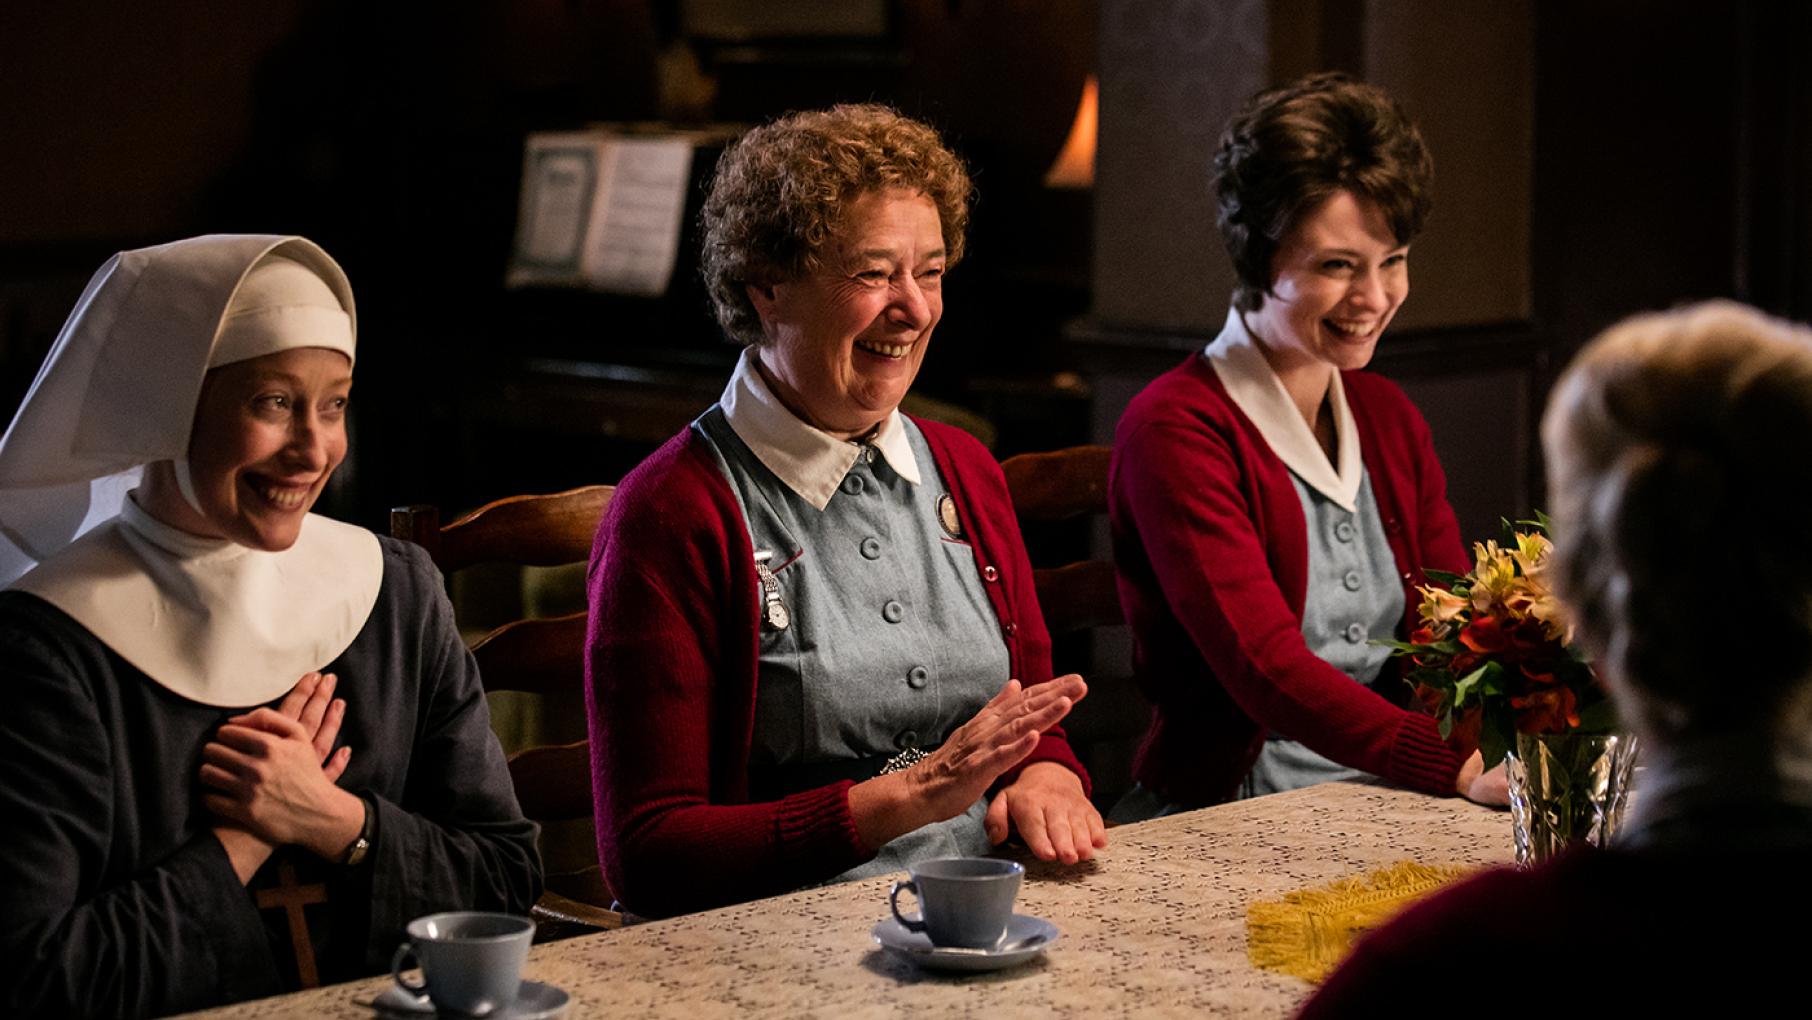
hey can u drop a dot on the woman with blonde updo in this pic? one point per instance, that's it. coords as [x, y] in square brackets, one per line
[1680, 477]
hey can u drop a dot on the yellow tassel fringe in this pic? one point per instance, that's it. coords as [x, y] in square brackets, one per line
[1308, 933]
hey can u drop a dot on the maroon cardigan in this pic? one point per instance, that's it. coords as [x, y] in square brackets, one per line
[1212, 551]
[670, 677]
[1651, 932]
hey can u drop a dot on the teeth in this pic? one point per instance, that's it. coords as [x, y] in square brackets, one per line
[284, 499]
[885, 350]
[1352, 328]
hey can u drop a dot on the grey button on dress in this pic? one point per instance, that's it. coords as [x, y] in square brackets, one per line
[1353, 598]
[892, 641]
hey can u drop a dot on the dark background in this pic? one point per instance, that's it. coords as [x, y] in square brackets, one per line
[1665, 149]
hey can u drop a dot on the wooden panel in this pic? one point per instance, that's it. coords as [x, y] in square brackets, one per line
[536, 656]
[553, 783]
[540, 531]
[1058, 485]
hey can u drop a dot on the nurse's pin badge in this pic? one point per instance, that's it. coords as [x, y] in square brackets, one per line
[773, 610]
[946, 516]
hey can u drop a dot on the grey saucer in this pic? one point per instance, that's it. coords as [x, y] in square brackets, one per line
[534, 1001]
[1026, 937]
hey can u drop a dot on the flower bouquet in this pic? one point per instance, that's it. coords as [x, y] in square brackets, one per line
[1492, 659]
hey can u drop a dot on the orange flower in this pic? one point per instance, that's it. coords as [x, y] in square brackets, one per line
[1543, 677]
[1464, 736]
[1430, 698]
[1550, 710]
[1485, 635]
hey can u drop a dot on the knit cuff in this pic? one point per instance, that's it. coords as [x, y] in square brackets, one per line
[816, 825]
[1422, 760]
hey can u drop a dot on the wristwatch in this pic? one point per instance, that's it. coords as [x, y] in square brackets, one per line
[355, 853]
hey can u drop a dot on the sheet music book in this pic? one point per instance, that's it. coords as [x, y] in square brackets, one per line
[601, 210]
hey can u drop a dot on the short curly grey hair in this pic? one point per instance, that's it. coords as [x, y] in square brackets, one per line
[780, 190]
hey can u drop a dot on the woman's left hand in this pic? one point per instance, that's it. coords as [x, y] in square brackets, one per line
[1047, 807]
[266, 775]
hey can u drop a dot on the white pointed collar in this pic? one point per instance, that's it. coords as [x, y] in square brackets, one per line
[1255, 388]
[807, 460]
[208, 619]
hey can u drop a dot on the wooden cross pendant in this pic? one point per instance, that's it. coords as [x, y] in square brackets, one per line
[292, 897]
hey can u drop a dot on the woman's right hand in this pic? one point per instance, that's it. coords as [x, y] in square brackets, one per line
[312, 704]
[957, 774]
[1490, 787]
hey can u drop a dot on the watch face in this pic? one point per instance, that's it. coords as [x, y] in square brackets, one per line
[356, 852]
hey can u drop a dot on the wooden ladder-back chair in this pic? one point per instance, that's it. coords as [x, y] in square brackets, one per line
[536, 656]
[1051, 488]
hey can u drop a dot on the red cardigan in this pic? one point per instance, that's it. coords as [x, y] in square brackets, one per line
[1212, 551]
[1652, 932]
[670, 677]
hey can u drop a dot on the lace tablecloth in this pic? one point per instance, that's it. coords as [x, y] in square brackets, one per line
[1155, 926]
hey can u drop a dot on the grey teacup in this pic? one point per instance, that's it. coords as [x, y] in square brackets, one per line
[471, 961]
[963, 901]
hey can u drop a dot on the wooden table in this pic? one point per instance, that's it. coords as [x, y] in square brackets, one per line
[1154, 927]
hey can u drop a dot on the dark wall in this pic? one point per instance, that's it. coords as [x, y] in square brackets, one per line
[392, 134]
[1670, 156]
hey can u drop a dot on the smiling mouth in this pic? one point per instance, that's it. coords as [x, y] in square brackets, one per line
[1352, 329]
[283, 497]
[883, 349]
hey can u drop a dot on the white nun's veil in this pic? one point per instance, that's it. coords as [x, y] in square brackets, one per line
[210, 620]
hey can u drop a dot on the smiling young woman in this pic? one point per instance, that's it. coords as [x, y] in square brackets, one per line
[210, 688]
[1273, 506]
[269, 433]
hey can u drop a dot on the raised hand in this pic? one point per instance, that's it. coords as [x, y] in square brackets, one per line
[957, 774]
[270, 774]
[311, 703]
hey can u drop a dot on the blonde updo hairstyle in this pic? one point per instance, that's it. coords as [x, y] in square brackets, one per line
[1679, 450]
[780, 192]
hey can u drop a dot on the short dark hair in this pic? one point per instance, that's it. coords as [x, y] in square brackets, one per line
[780, 190]
[1292, 148]
[1679, 482]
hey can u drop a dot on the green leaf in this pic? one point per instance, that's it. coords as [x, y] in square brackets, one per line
[1443, 577]
[1492, 679]
[1446, 725]
[1464, 689]
[1598, 717]
[1497, 732]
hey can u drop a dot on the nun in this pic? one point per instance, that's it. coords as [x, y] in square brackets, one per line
[241, 745]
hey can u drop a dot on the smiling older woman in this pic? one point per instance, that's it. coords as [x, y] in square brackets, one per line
[1273, 507]
[815, 648]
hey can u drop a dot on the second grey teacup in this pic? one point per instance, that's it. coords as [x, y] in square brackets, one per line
[963, 901]
[471, 961]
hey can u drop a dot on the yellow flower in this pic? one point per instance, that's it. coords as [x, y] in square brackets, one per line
[1531, 553]
[1494, 576]
[1440, 607]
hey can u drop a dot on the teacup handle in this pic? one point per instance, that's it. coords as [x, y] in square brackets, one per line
[406, 951]
[893, 902]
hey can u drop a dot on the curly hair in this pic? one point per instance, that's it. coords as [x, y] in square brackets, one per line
[1291, 148]
[1680, 487]
[780, 191]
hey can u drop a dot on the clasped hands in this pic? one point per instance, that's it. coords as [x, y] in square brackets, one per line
[270, 777]
[1044, 803]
